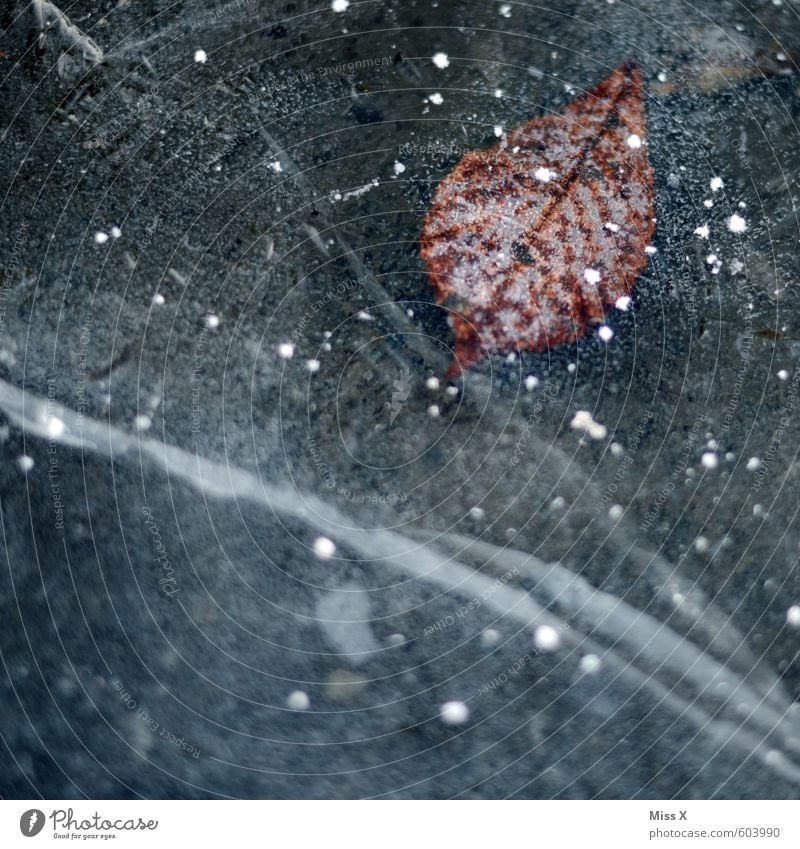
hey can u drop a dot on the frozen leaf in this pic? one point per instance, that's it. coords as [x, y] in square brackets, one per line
[529, 263]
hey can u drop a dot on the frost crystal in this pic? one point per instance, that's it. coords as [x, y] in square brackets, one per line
[582, 420]
[623, 303]
[737, 224]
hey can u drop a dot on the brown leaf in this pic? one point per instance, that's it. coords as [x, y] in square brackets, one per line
[535, 239]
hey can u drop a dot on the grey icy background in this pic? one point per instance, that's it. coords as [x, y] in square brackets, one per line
[510, 607]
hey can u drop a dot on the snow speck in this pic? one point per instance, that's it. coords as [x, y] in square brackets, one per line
[702, 231]
[582, 420]
[436, 99]
[212, 321]
[605, 333]
[298, 700]
[589, 664]
[55, 427]
[633, 141]
[544, 175]
[591, 275]
[340, 5]
[650, 250]
[100, 237]
[531, 383]
[716, 184]
[432, 383]
[505, 10]
[143, 422]
[772, 757]
[737, 224]
[115, 232]
[793, 616]
[609, 225]
[708, 203]
[324, 547]
[615, 512]
[498, 130]
[433, 411]
[709, 460]
[359, 191]
[477, 513]
[783, 374]
[158, 300]
[753, 464]
[286, 350]
[454, 713]
[701, 545]
[441, 60]
[200, 56]
[623, 303]
[399, 167]
[276, 166]
[312, 366]
[546, 638]
[25, 463]
[490, 638]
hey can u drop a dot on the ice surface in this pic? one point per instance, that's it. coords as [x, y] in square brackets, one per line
[192, 403]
